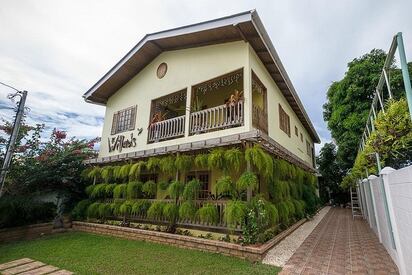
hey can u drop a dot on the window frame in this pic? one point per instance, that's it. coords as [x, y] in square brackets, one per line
[124, 120]
[284, 120]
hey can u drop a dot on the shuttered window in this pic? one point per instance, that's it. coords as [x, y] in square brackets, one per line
[124, 120]
[308, 148]
[284, 121]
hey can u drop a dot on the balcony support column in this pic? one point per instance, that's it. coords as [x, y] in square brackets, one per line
[188, 109]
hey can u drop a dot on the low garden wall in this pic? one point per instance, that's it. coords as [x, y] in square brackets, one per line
[32, 231]
[252, 253]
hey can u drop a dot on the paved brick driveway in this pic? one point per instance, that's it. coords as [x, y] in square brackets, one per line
[341, 245]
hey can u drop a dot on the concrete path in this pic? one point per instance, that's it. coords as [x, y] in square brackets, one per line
[341, 245]
[28, 266]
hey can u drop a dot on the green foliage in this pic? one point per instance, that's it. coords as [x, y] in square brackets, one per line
[136, 168]
[216, 159]
[149, 188]
[99, 191]
[283, 211]
[140, 207]
[167, 165]
[201, 161]
[119, 191]
[89, 190]
[152, 164]
[93, 210]
[183, 163]
[225, 186]
[134, 190]
[94, 173]
[79, 212]
[247, 180]
[208, 214]
[191, 190]
[117, 172]
[163, 185]
[171, 212]
[104, 210]
[310, 198]
[235, 213]
[175, 189]
[115, 208]
[234, 159]
[109, 190]
[23, 210]
[260, 159]
[126, 208]
[156, 210]
[107, 173]
[187, 210]
[299, 208]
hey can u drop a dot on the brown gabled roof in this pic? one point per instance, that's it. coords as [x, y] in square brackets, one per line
[245, 26]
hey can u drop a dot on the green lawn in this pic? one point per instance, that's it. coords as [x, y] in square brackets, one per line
[94, 254]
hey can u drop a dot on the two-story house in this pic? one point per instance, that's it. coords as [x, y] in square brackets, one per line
[213, 84]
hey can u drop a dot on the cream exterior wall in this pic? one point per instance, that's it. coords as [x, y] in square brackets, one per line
[189, 67]
[275, 96]
[186, 68]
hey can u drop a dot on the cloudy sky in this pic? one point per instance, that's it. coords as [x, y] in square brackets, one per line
[58, 49]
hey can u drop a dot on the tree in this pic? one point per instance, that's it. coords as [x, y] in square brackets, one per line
[349, 100]
[41, 166]
[331, 175]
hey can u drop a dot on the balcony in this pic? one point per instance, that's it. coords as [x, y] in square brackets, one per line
[167, 129]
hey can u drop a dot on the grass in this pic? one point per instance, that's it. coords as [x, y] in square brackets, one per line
[85, 253]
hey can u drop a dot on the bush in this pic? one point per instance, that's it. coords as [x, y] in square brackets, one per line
[208, 214]
[187, 211]
[156, 210]
[175, 189]
[171, 211]
[140, 207]
[79, 212]
[191, 190]
[134, 190]
[225, 186]
[119, 191]
[247, 180]
[18, 211]
[126, 208]
[149, 188]
[235, 213]
[93, 210]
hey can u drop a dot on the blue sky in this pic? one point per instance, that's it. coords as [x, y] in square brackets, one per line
[57, 49]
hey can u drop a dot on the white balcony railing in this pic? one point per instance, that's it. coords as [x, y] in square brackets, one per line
[223, 116]
[167, 129]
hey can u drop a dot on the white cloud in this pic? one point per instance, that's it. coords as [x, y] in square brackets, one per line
[57, 49]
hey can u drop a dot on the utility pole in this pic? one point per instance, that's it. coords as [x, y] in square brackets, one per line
[12, 140]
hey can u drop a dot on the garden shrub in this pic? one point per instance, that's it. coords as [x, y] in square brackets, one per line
[235, 213]
[155, 210]
[191, 190]
[93, 210]
[126, 208]
[149, 188]
[247, 180]
[208, 214]
[134, 190]
[105, 210]
[225, 186]
[171, 211]
[79, 212]
[140, 207]
[187, 211]
[99, 191]
[119, 191]
[175, 189]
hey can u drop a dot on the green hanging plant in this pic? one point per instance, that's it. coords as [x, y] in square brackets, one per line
[191, 190]
[126, 208]
[89, 190]
[183, 163]
[187, 211]
[163, 185]
[93, 173]
[299, 208]
[234, 213]
[124, 171]
[140, 207]
[175, 189]
[152, 163]
[134, 190]
[107, 173]
[105, 210]
[93, 210]
[167, 165]
[109, 190]
[225, 186]
[247, 180]
[115, 208]
[136, 169]
[234, 159]
[116, 172]
[79, 212]
[171, 212]
[208, 214]
[283, 211]
[155, 210]
[99, 191]
[216, 159]
[149, 188]
[201, 161]
[119, 191]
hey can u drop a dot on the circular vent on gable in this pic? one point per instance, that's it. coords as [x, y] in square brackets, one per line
[161, 70]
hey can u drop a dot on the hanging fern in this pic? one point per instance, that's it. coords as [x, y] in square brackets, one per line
[208, 214]
[167, 165]
[260, 159]
[163, 185]
[273, 214]
[225, 186]
[201, 161]
[283, 213]
[124, 171]
[191, 190]
[235, 213]
[134, 190]
[109, 190]
[234, 159]
[79, 212]
[115, 208]
[291, 208]
[126, 208]
[187, 211]
[184, 163]
[119, 192]
[99, 191]
[155, 210]
[247, 180]
[93, 210]
[216, 159]
[107, 173]
[104, 210]
[136, 169]
[89, 190]
[171, 212]
[152, 164]
[94, 173]
[116, 172]
[299, 208]
[175, 189]
[149, 188]
[140, 207]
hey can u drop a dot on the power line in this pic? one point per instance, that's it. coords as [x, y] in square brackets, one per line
[9, 86]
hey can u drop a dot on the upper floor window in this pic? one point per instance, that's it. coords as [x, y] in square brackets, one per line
[301, 137]
[296, 131]
[124, 120]
[308, 148]
[284, 121]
